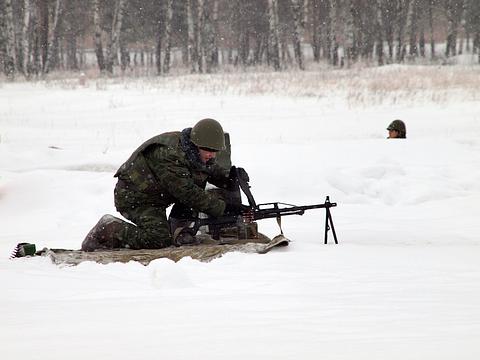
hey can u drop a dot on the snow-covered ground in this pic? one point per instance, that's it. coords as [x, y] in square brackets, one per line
[404, 282]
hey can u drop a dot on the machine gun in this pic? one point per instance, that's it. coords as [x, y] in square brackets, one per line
[247, 214]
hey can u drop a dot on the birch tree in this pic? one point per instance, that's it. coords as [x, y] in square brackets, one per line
[53, 43]
[2, 37]
[453, 12]
[380, 32]
[473, 24]
[412, 27]
[297, 32]
[326, 27]
[114, 38]
[214, 58]
[159, 28]
[192, 38]
[76, 22]
[403, 8]
[200, 43]
[168, 35]
[319, 27]
[26, 37]
[98, 35]
[334, 13]
[349, 32]
[43, 28]
[210, 29]
[10, 53]
[389, 13]
[421, 27]
[241, 16]
[274, 49]
[430, 4]
[315, 29]
[195, 9]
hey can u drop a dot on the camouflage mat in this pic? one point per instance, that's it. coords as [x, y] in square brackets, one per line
[205, 252]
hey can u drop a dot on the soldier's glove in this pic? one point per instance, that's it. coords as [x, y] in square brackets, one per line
[243, 175]
[236, 175]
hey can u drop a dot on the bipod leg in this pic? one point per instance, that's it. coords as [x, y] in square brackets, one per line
[328, 219]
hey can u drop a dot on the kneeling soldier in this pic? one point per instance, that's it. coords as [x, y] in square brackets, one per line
[171, 168]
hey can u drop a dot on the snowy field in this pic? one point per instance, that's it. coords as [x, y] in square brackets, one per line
[404, 282]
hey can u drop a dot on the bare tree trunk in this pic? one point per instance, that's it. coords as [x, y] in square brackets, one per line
[200, 42]
[430, 23]
[365, 28]
[316, 30]
[349, 46]
[35, 39]
[3, 52]
[98, 36]
[454, 11]
[388, 20]
[53, 43]
[476, 44]
[210, 28]
[461, 45]
[412, 22]
[26, 37]
[259, 49]
[118, 36]
[421, 28]
[333, 32]
[124, 55]
[325, 30]
[402, 16]
[168, 36]
[297, 30]
[71, 34]
[10, 58]
[71, 39]
[158, 48]
[114, 38]
[241, 28]
[450, 29]
[243, 50]
[43, 29]
[192, 43]
[380, 29]
[273, 33]
[214, 43]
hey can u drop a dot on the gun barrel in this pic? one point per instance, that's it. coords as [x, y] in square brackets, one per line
[274, 210]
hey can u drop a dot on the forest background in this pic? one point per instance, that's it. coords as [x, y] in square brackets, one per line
[151, 38]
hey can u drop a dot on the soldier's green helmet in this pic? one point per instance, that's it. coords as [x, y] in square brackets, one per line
[398, 125]
[208, 133]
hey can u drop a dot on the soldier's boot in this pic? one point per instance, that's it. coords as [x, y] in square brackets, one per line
[105, 234]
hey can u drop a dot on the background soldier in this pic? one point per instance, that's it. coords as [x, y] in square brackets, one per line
[397, 130]
[170, 168]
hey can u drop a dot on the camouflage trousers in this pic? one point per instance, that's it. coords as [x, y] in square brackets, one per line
[151, 229]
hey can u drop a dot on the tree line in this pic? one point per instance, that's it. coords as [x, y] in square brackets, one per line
[38, 36]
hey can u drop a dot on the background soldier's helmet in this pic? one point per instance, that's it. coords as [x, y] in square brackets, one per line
[208, 133]
[398, 125]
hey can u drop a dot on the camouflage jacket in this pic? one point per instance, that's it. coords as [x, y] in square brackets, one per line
[167, 169]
